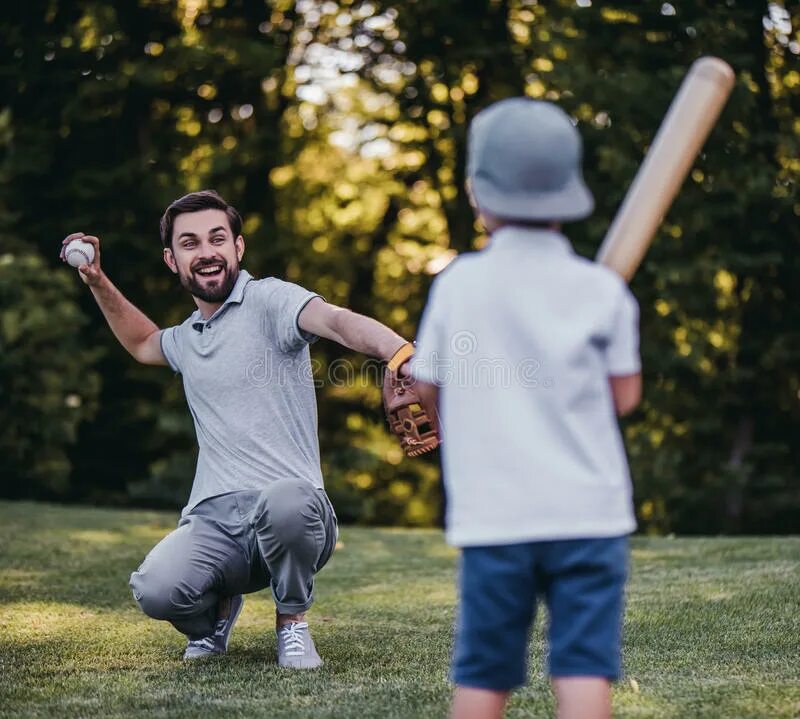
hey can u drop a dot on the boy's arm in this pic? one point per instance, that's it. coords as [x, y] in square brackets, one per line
[624, 365]
[135, 331]
[627, 392]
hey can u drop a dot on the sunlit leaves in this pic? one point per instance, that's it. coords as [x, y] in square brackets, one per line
[613, 15]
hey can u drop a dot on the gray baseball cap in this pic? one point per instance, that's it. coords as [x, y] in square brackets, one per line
[524, 162]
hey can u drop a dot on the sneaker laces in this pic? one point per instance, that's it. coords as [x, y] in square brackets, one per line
[222, 622]
[206, 643]
[294, 638]
[219, 627]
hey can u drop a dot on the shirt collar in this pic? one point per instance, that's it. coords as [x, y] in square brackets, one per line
[237, 293]
[531, 238]
[236, 296]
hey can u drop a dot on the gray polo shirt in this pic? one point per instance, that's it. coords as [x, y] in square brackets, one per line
[248, 381]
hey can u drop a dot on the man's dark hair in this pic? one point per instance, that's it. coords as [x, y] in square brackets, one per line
[194, 202]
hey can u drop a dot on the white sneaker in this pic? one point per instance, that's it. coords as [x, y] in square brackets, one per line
[216, 643]
[296, 648]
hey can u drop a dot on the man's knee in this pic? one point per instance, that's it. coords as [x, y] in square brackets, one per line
[288, 508]
[152, 597]
[160, 598]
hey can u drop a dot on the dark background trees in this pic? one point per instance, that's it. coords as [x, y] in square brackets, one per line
[339, 130]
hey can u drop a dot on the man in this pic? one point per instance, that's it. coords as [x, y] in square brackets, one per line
[257, 515]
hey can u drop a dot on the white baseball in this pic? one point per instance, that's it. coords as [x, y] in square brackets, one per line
[79, 253]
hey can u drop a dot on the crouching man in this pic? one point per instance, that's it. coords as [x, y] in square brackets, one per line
[257, 515]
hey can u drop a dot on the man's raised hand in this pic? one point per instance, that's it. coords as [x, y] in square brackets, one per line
[90, 272]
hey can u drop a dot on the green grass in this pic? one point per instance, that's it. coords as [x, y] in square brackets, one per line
[712, 629]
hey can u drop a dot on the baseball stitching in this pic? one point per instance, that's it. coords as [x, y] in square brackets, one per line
[80, 252]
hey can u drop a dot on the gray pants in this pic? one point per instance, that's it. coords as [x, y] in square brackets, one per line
[238, 543]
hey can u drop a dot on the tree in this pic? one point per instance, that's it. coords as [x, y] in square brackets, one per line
[339, 130]
[718, 320]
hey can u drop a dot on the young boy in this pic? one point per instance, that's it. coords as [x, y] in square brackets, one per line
[529, 350]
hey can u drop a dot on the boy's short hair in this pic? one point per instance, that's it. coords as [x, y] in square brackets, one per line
[195, 202]
[524, 163]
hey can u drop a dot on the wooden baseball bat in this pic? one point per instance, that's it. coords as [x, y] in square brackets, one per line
[687, 124]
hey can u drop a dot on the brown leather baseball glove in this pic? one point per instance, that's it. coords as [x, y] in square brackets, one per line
[415, 424]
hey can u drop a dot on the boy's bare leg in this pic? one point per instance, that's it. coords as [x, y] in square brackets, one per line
[469, 703]
[583, 697]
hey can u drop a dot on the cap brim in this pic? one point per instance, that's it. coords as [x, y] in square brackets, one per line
[574, 201]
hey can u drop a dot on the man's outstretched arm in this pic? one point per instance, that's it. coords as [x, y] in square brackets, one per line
[406, 402]
[136, 332]
[359, 333]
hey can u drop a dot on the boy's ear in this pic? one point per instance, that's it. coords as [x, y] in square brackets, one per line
[169, 260]
[468, 186]
[490, 222]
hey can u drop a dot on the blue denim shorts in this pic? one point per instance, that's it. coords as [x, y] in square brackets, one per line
[582, 582]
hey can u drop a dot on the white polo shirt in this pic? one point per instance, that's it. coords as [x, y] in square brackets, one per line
[521, 339]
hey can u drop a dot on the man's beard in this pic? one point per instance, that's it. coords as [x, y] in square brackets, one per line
[215, 291]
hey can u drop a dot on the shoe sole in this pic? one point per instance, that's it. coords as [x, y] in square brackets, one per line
[301, 666]
[204, 655]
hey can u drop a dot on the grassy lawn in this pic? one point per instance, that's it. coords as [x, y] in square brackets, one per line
[712, 630]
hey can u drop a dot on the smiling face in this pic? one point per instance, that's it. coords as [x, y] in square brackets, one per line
[205, 255]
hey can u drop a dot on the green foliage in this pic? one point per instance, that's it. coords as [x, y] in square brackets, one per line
[47, 384]
[339, 130]
[713, 447]
[719, 304]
